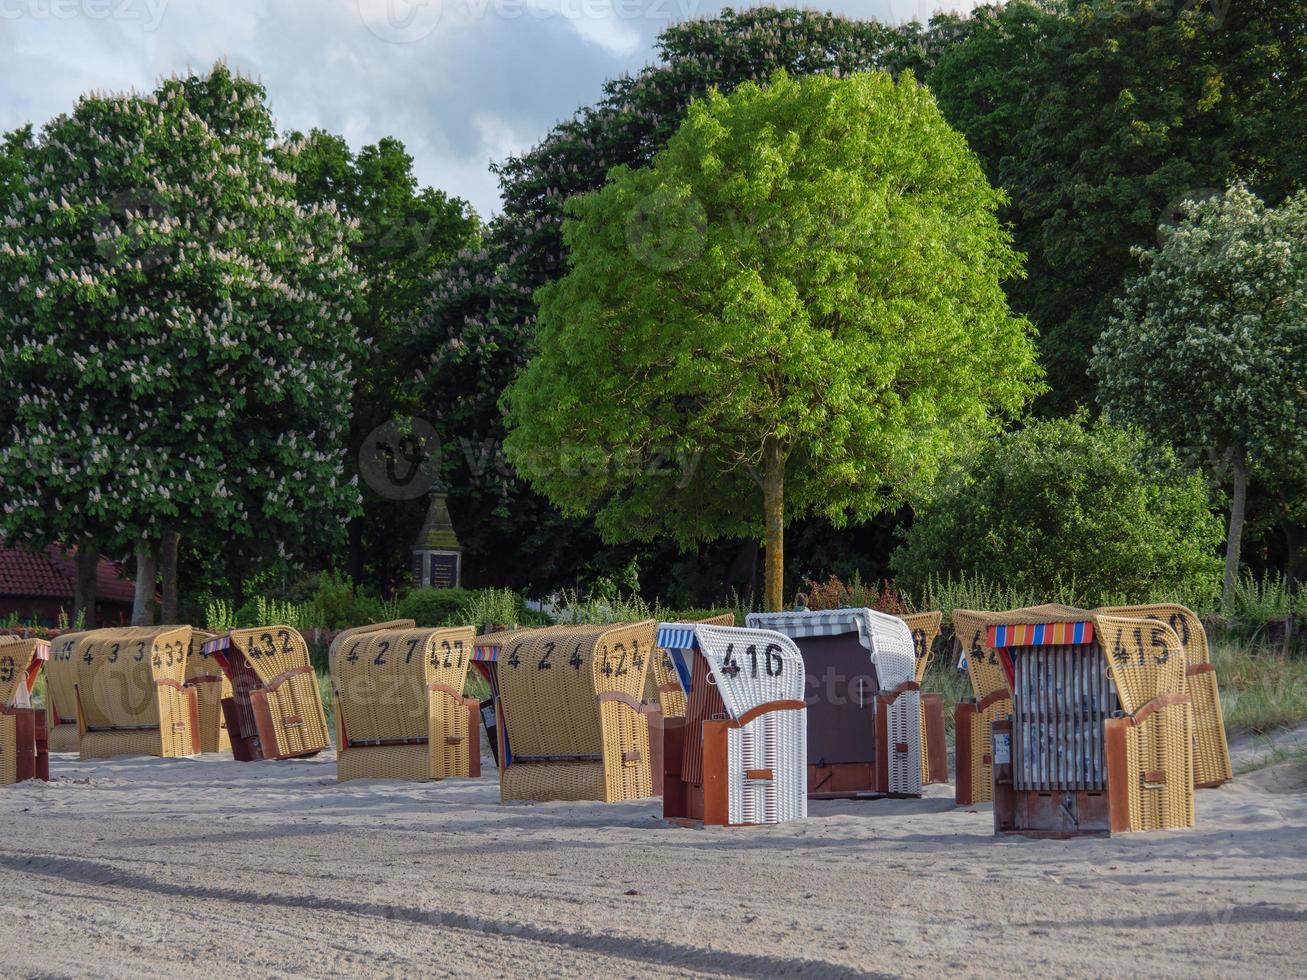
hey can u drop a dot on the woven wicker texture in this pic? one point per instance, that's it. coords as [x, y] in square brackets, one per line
[984, 667]
[1162, 744]
[211, 685]
[1211, 748]
[777, 742]
[384, 762]
[16, 659]
[550, 680]
[8, 755]
[61, 690]
[382, 677]
[275, 659]
[664, 687]
[751, 667]
[982, 735]
[1145, 658]
[924, 628]
[129, 685]
[548, 781]
[64, 738]
[627, 772]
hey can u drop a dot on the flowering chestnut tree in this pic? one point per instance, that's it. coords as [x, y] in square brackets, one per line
[1208, 347]
[175, 330]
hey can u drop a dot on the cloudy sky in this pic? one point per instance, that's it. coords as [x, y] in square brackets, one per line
[461, 82]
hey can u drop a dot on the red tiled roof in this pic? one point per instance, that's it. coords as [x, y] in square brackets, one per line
[51, 574]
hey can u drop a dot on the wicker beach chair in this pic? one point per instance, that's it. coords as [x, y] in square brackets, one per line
[400, 709]
[131, 694]
[663, 687]
[1211, 749]
[211, 686]
[741, 758]
[864, 715]
[61, 691]
[934, 736]
[24, 745]
[275, 709]
[1100, 738]
[571, 725]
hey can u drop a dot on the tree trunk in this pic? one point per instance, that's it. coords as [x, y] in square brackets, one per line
[146, 565]
[773, 509]
[1234, 539]
[168, 546]
[84, 588]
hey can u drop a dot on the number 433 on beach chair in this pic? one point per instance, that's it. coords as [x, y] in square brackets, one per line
[741, 757]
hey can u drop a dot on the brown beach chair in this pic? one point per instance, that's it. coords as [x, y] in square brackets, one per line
[934, 738]
[131, 694]
[1211, 749]
[275, 708]
[211, 686]
[571, 723]
[24, 747]
[1100, 737]
[400, 709]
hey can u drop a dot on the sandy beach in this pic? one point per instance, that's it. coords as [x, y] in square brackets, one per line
[138, 866]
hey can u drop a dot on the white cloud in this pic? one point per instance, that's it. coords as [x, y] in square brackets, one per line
[461, 82]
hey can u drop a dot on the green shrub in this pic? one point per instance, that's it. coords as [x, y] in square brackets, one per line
[341, 606]
[1065, 507]
[435, 607]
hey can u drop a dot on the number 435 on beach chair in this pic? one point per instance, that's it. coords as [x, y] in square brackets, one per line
[741, 757]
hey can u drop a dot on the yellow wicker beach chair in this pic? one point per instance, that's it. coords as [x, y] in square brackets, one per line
[1099, 739]
[1211, 749]
[934, 739]
[400, 709]
[61, 691]
[211, 686]
[663, 688]
[572, 726]
[24, 746]
[131, 694]
[275, 709]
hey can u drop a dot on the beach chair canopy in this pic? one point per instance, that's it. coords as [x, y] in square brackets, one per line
[131, 695]
[61, 691]
[400, 711]
[275, 710]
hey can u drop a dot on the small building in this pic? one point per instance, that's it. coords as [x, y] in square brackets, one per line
[39, 585]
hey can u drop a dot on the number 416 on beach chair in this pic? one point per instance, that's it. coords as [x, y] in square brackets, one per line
[741, 757]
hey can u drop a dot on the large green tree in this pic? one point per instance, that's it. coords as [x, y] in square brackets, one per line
[406, 233]
[478, 329]
[1098, 117]
[1208, 350]
[175, 331]
[799, 301]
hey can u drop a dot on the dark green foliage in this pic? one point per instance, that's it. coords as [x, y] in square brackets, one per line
[1090, 506]
[434, 607]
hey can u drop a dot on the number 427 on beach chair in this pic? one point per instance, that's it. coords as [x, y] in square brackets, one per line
[741, 757]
